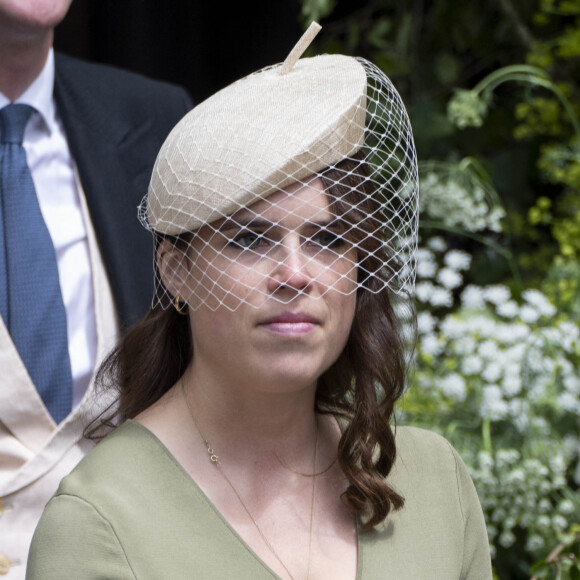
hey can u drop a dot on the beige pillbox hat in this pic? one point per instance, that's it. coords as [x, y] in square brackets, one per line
[262, 133]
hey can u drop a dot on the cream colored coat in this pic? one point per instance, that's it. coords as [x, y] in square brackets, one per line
[35, 453]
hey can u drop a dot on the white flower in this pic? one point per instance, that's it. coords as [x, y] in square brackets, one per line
[453, 386]
[494, 218]
[497, 294]
[489, 350]
[559, 522]
[534, 542]
[572, 384]
[536, 467]
[544, 507]
[471, 365]
[426, 265]
[452, 328]
[570, 335]
[473, 298]
[449, 278]
[559, 482]
[519, 411]
[540, 302]
[426, 269]
[425, 322]
[457, 260]
[504, 333]
[437, 244]
[506, 539]
[566, 507]
[512, 333]
[517, 476]
[505, 457]
[466, 346]
[568, 402]
[567, 368]
[508, 309]
[485, 460]
[484, 326]
[539, 363]
[515, 354]
[431, 345]
[572, 445]
[493, 406]
[543, 522]
[441, 297]
[425, 255]
[498, 515]
[423, 291]
[492, 372]
[529, 314]
[512, 383]
[457, 202]
[550, 335]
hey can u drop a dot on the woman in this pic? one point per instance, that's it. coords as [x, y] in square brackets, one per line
[258, 393]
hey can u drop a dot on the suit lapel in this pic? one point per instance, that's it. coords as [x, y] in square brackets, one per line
[20, 400]
[106, 150]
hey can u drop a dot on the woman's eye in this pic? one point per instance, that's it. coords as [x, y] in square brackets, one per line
[247, 241]
[327, 239]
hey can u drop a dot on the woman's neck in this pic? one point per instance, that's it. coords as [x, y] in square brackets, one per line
[251, 418]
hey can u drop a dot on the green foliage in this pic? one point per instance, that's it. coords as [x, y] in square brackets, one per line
[563, 563]
[542, 116]
[562, 285]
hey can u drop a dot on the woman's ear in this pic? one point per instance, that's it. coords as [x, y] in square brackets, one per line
[172, 263]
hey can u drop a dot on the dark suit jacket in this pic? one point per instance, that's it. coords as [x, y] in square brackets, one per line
[116, 122]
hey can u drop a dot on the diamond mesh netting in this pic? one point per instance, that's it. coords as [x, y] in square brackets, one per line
[304, 179]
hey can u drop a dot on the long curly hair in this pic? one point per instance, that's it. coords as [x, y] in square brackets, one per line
[360, 388]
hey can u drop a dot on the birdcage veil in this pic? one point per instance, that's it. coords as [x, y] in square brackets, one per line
[236, 187]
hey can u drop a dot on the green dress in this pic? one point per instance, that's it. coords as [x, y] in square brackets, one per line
[130, 511]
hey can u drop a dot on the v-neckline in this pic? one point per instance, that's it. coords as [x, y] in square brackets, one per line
[232, 531]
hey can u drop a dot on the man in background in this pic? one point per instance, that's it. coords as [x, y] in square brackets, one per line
[91, 134]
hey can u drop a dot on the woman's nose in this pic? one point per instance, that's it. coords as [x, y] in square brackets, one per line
[291, 268]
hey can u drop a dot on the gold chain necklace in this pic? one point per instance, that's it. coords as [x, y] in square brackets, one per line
[215, 460]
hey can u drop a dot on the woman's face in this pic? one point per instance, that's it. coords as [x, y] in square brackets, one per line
[272, 289]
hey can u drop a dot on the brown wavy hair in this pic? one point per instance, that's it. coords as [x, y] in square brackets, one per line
[360, 388]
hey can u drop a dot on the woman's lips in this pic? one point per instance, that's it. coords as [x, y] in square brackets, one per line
[290, 323]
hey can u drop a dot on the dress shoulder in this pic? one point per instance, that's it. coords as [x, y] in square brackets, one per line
[93, 550]
[442, 513]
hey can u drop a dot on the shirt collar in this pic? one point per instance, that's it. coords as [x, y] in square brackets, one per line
[40, 96]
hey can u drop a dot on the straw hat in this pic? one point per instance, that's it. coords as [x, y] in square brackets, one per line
[257, 136]
[286, 124]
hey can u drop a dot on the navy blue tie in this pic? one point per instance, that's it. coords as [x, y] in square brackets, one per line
[30, 298]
